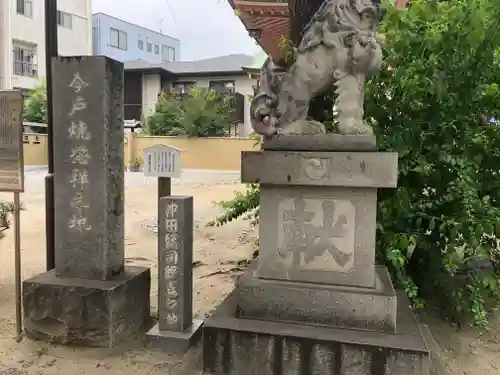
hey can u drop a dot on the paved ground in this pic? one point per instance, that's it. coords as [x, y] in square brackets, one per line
[217, 249]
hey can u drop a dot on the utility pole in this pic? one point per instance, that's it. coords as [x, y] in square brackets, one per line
[51, 51]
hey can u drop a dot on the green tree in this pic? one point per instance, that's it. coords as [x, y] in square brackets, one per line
[198, 113]
[437, 232]
[35, 107]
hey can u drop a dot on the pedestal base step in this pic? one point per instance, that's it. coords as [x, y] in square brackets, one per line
[299, 302]
[320, 142]
[248, 346]
[174, 342]
[87, 312]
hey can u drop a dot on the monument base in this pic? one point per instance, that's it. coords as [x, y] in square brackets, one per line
[174, 342]
[87, 312]
[310, 303]
[248, 346]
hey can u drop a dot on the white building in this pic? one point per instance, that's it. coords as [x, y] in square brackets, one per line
[145, 81]
[22, 38]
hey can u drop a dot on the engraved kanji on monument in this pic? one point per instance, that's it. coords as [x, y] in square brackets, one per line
[176, 330]
[315, 233]
[89, 169]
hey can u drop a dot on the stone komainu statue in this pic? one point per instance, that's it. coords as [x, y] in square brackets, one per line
[339, 47]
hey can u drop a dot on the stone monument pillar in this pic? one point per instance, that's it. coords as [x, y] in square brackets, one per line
[315, 302]
[90, 298]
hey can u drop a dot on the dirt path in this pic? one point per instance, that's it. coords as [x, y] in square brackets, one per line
[215, 249]
[465, 352]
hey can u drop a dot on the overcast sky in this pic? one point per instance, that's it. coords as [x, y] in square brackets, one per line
[206, 28]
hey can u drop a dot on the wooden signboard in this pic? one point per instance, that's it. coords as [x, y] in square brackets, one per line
[11, 141]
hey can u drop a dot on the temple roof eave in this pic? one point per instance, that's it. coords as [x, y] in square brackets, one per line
[269, 18]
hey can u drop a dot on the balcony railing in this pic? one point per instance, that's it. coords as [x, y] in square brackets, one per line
[23, 68]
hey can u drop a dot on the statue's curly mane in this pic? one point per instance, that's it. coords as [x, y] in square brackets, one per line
[358, 6]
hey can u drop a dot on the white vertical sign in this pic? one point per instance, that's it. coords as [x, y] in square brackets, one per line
[162, 161]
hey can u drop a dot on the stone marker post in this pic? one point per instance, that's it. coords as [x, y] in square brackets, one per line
[89, 175]
[90, 298]
[176, 330]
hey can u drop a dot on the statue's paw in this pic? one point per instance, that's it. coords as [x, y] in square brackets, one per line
[351, 126]
[261, 113]
[267, 125]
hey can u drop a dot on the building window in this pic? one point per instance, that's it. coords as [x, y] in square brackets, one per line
[149, 47]
[164, 53]
[167, 53]
[118, 39]
[25, 7]
[182, 87]
[140, 44]
[157, 49]
[222, 86]
[24, 60]
[64, 19]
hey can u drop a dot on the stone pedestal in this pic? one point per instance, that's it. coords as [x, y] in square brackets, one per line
[90, 298]
[316, 302]
[265, 347]
[177, 342]
[365, 308]
[87, 312]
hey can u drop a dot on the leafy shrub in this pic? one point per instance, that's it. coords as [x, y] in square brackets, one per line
[197, 113]
[244, 204]
[437, 232]
[35, 107]
[6, 210]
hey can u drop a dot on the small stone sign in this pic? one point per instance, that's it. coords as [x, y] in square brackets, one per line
[162, 161]
[176, 329]
[11, 141]
[175, 253]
